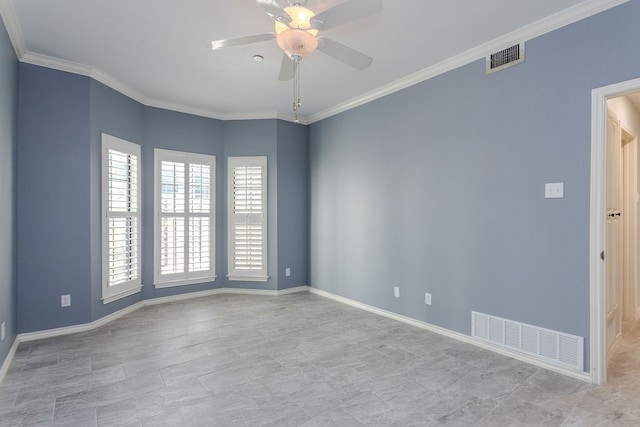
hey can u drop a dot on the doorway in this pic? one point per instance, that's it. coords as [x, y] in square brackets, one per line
[623, 121]
[613, 266]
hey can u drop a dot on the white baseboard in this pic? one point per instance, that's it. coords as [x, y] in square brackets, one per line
[49, 333]
[583, 376]
[294, 290]
[220, 291]
[32, 336]
[8, 359]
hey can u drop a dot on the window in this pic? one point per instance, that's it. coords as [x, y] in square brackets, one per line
[184, 227]
[248, 218]
[121, 225]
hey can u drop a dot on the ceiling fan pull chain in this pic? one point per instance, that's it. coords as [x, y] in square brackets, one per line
[296, 89]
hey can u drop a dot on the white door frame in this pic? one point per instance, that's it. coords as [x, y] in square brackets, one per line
[630, 223]
[598, 343]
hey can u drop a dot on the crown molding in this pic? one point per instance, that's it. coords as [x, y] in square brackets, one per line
[561, 19]
[104, 78]
[107, 80]
[182, 108]
[56, 63]
[566, 17]
[83, 70]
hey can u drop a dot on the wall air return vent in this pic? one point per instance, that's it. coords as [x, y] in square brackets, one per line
[505, 58]
[555, 347]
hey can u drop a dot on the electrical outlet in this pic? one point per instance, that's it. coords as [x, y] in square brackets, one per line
[287, 272]
[427, 298]
[396, 292]
[65, 300]
[2, 332]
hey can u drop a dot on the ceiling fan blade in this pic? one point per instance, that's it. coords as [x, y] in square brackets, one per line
[347, 11]
[344, 53]
[273, 9]
[239, 41]
[286, 69]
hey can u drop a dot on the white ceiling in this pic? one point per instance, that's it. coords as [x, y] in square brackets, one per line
[157, 50]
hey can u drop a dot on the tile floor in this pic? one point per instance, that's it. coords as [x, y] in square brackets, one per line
[295, 360]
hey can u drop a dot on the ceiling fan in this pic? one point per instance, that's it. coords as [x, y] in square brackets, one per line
[296, 33]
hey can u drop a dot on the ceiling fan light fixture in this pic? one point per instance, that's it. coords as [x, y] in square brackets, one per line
[296, 38]
[300, 19]
[297, 43]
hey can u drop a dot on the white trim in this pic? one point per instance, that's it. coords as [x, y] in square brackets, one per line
[7, 360]
[249, 278]
[49, 333]
[198, 280]
[125, 294]
[33, 336]
[597, 239]
[83, 327]
[294, 290]
[583, 376]
[536, 29]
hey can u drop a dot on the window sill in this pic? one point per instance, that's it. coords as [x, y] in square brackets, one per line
[249, 278]
[160, 285]
[124, 294]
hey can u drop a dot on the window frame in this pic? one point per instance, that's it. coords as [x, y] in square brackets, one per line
[187, 277]
[246, 275]
[130, 287]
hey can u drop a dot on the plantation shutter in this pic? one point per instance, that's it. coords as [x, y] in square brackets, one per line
[200, 226]
[121, 224]
[248, 218]
[184, 231]
[172, 217]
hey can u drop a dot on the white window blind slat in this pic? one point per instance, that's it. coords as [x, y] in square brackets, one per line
[173, 187]
[172, 250]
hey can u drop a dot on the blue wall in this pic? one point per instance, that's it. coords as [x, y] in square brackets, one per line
[293, 206]
[440, 187]
[255, 138]
[54, 251]
[8, 143]
[182, 132]
[61, 119]
[114, 114]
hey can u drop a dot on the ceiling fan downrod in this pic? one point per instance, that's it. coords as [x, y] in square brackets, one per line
[296, 86]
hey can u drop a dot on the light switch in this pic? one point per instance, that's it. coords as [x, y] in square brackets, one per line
[65, 300]
[554, 190]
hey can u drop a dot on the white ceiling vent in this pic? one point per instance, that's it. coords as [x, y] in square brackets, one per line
[505, 58]
[556, 347]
